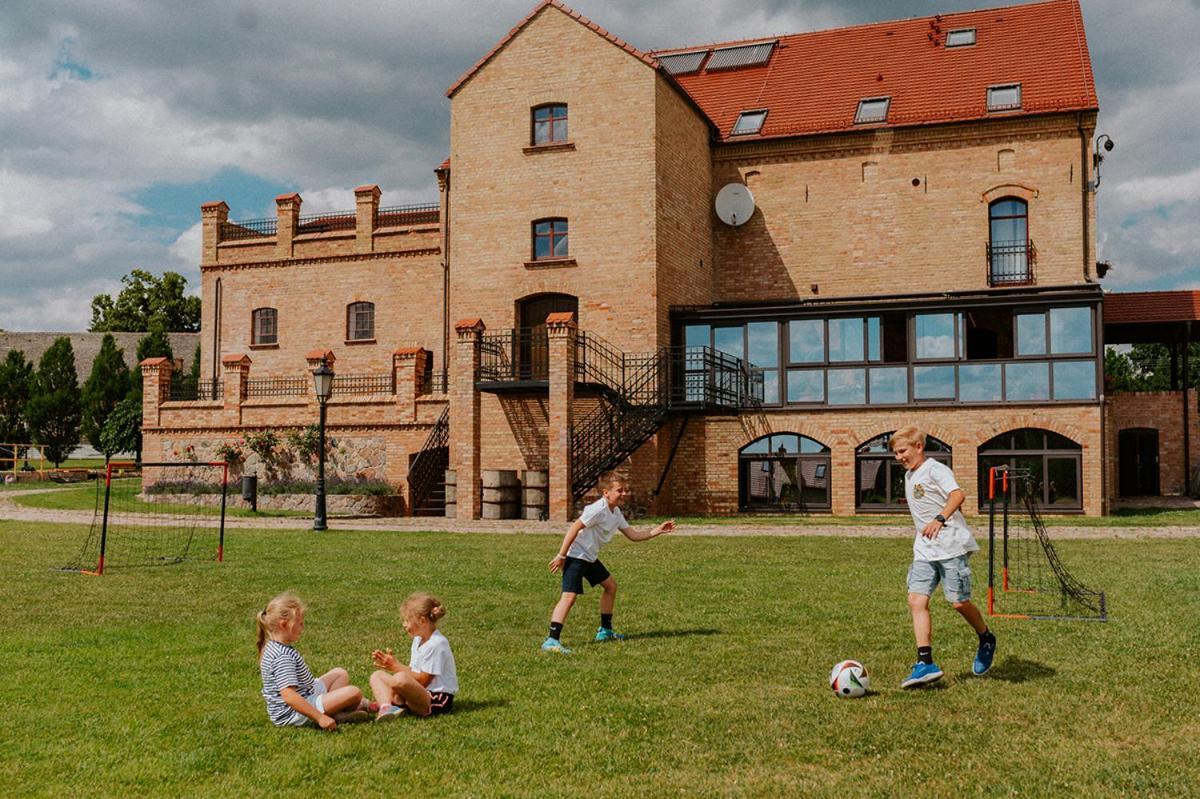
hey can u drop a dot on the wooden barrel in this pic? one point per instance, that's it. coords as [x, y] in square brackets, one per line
[501, 494]
[451, 494]
[535, 494]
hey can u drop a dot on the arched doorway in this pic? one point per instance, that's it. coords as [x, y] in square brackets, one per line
[880, 477]
[1054, 463]
[784, 472]
[1137, 462]
[532, 354]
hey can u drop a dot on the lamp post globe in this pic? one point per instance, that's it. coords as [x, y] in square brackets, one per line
[323, 387]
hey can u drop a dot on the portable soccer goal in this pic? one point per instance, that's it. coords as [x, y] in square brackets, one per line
[1033, 581]
[171, 513]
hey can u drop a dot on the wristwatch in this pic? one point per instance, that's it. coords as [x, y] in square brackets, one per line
[940, 518]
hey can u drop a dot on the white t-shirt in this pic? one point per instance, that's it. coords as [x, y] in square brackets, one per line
[927, 488]
[434, 657]
[600, 524]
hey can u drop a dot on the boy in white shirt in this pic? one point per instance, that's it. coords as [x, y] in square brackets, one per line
[578, 557]
[940, 551]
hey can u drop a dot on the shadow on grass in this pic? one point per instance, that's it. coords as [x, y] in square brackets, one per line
[1016, 670]
[671, 633]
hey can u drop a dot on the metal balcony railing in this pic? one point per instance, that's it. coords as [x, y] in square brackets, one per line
[186, 389]
[248, 229]
[327, 222]
[364, 384]
[514, 356]
[277, 386]
[1010, 263]
[396, 215]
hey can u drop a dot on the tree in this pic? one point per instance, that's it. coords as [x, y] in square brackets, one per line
[122, 430]
[16, 383]
[1147, 367]
[107, 385]
[53, 411]
[145, 299]
[155, 344]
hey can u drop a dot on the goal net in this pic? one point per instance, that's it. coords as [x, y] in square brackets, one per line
[173, 512]
[1026, 577]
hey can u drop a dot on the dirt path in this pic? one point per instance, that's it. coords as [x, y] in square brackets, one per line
[11, 511]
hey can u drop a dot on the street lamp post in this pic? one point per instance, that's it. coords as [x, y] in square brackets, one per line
[323, 384]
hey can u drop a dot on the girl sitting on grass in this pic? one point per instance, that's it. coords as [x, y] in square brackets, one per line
[427, 685]
[294, 698]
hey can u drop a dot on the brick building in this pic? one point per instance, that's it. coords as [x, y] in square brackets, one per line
[903, 232]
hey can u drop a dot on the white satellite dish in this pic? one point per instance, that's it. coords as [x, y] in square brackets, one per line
[735, 204]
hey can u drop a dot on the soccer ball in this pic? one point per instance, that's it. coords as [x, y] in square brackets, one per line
[849, 679]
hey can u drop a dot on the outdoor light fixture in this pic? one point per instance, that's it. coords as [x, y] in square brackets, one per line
[323, 386]
[1098, 157]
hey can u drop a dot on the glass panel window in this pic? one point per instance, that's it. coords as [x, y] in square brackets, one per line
[771, 386]
[872, 109]
[889, 386]
[979, 382]
[806, 341]
[1031, 334]
[933, 382]
[1004, 98]
[749, 122]
[785, 443]
[265, 326]
[1075, 380]
[550, 239]
[873, 338]
[696, 336]
[760, 447]
[846, 339]
[360, 321]
[847, 387]
[810, 447]
[1027, 381]
[1062, 482]
[762, 340]
[806, 385]
[935, 335]
[1070, 330]
[963, 37]
[549, 124]
[729, 340]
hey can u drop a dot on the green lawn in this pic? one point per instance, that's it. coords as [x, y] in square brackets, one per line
[144, 682]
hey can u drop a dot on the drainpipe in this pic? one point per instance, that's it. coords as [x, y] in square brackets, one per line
[1088, 191]
[1187, 431]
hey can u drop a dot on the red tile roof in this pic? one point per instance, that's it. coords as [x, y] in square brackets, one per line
[813, 81]
[624, 45]
[1151, 306]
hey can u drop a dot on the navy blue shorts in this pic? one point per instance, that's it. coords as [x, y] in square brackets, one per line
[574, 570]
[440, 702]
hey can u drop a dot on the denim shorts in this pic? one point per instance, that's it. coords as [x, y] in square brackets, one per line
[953, 573]
[317, 699]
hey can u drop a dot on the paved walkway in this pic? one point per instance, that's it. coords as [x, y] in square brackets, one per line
[10, 510]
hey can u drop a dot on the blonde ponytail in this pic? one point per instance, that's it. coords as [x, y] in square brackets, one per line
[280, 609]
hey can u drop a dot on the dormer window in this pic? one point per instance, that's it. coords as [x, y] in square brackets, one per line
[749, 122]
[963, 37]
[549, 124]
[1004, 97]
[872, 109]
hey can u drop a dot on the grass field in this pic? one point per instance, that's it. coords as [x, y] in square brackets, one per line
[144, 682]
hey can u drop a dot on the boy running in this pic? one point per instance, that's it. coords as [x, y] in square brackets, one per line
[940, 551]
[578, 557]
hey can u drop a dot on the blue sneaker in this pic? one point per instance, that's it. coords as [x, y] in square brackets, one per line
[922, 674]
[554, 645]
[606, 634]
[984, 656]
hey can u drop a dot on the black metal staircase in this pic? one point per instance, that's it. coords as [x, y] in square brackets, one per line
[427, 472]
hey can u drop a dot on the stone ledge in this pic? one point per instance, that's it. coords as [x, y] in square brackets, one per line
[335, 504]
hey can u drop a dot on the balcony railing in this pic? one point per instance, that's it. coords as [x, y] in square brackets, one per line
[364, 384]
[514, 356]
[423, 214]
[325, 223]
[185, 389]
[248, 229]
[1010, 263]
[277, 386]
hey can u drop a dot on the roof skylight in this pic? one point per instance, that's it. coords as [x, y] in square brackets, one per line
[1004, 97]
[682, 63]
[963, 37]
[872, 109]
[742, 55]
[749, 122]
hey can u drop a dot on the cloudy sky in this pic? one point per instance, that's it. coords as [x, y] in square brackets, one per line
[118, 118]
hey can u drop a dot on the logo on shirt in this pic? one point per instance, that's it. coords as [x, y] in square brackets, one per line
[918, 491]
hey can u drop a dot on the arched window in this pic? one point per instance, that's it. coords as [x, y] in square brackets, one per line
[550, 239]
[1054, 463]
[264, 326]
[1010, 253]
[549, 123]
[784, 472]
[880, 477]
[360, 321]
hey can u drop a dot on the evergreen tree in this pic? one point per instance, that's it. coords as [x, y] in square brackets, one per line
[122, 430]
[53, 411]
[107, 385]
[16, 383]
[155, 344]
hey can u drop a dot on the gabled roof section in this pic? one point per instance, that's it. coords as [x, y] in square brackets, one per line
[812, 82]
[575, 15]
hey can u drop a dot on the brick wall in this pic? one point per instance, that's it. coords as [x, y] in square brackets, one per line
[1155, 410]
[842, 212]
